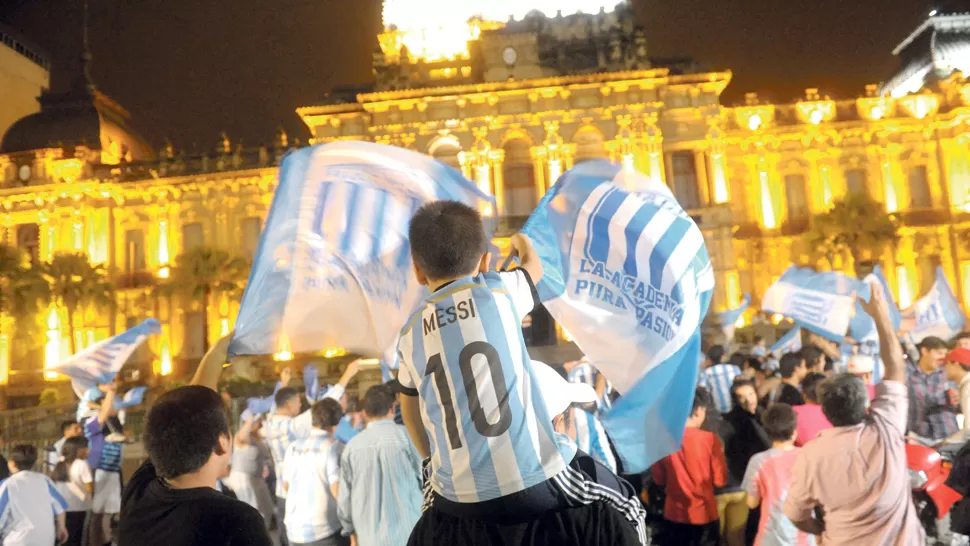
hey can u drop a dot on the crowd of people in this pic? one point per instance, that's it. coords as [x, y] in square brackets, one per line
[475, 443]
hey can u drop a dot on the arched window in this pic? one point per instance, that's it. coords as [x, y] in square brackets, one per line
[797, 199]
[857, 181]
[519, 178]
[446, 151]
[919, 188]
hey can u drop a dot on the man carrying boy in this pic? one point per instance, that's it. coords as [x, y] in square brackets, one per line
[471, 402]
[768, 475]
[31, 509]
[689, 478]
[105, 458]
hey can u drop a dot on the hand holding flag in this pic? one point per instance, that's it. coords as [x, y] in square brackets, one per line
[100, 363]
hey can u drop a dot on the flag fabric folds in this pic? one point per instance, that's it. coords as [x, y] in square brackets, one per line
[628, 275]
[333, 266]
[862, 329]
[819, 302]
[729, 317]
[937, 313]
[131, 398]
[789, 343]
[100, 363]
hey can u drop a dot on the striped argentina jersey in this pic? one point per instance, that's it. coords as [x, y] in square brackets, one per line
[463, 352]
[718, 380]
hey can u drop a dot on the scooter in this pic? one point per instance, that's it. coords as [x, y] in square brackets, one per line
[928, 471]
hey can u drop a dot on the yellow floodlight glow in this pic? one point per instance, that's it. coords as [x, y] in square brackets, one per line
[52, 347]
[283, 354]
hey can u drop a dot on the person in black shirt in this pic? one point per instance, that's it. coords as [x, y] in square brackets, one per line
[173, 497]
[793, 370]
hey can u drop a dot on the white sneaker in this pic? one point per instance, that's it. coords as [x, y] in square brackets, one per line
[115, 437]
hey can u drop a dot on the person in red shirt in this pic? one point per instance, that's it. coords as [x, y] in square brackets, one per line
[689, 478]
[811, 420]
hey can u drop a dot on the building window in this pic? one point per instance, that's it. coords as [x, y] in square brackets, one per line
[192, 236]
[519, 177]
[134, 251]
[28, 240]
[856, 181]
[797, 198]
[194, 335]
[250, 228]
[927, 272]
[919, 188]
[684, 170]
[447, 153]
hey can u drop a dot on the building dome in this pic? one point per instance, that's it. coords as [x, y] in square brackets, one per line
[81, 117]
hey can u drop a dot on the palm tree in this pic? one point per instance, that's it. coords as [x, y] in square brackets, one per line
[852, 226]
[24, 290]
[76, 283]
[201, 273]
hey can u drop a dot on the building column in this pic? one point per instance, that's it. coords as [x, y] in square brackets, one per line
[703, 187]
[496, 159]
[539, 164]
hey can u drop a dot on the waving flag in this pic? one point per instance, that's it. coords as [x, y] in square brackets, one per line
[100, 363]
[730, 317]
[131, 398]
[937, 313]
[819, 302]
[333, 267]
[628, 275]
[789, 343]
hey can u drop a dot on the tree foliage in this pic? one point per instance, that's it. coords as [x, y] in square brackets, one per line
[23, 288]
[76, 283]
[853, 226]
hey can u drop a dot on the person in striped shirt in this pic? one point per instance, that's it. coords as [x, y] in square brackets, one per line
[287, 425]
[718, 377]
[31, 509]
[471, 400]
[582, 371]
[311, 476]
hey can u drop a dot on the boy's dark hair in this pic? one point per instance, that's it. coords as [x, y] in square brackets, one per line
[810, 354]
[932, 343]
[183, 428]
[789, 363]
[740, 382]
[780, 422]
[352, 404]
[755, 364]
[378, 401]
[24, 456]
[737, 359]
[66, 425]
[447, 239]
[810, 386]
[702, 399]
[716, 354]
[758, 339]
[284, 395]
[326, 413]
[843, 399]
[69, 453]
[961, 335]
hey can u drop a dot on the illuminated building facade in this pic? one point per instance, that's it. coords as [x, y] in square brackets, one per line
[512, 102]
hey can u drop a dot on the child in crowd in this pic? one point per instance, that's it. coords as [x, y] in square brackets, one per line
[471, 402]
[767, 478]
[74, 480]
[90, 405]
[689, 478]
[31, 509]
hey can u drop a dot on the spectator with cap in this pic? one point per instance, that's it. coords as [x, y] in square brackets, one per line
[718, 377]
[811, 418]
[958, 370]
[930, 414]
[862, 366]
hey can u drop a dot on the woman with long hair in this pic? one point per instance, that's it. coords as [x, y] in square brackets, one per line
[74, 480]
[247, 469]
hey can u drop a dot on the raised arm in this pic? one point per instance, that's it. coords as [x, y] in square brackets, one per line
[245, 431]
[108, 403]
[889, 348]
[528, 259]
[209, 370]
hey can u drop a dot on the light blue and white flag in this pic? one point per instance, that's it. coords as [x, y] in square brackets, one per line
[937, 313]
[819, 302]
[789, 343]
[333, 267]
[100, 363]
[628, 275]
[261, 405]
[730, 317]
[862, 328]
[131, 398]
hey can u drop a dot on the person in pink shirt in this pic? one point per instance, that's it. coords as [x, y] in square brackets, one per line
[862, 367]
[851, 484]
[767, 477]
[811, 419]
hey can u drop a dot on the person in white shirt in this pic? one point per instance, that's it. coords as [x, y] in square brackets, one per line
[311, 475]
[69, 429]
[31, 509]
[287, 424]
[74, 480]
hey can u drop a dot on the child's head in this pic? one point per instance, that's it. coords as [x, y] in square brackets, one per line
[698, 413]
[75, 448]
[447, 242]
[780, 422]
[23, 457]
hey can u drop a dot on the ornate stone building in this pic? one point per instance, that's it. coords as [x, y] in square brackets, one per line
[512, 103]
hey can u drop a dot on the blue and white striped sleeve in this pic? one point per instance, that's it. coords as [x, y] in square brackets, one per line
[57, 500]
[335, 392]
[4, 505]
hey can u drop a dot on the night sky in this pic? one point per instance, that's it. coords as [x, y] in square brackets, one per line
[189, 69]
